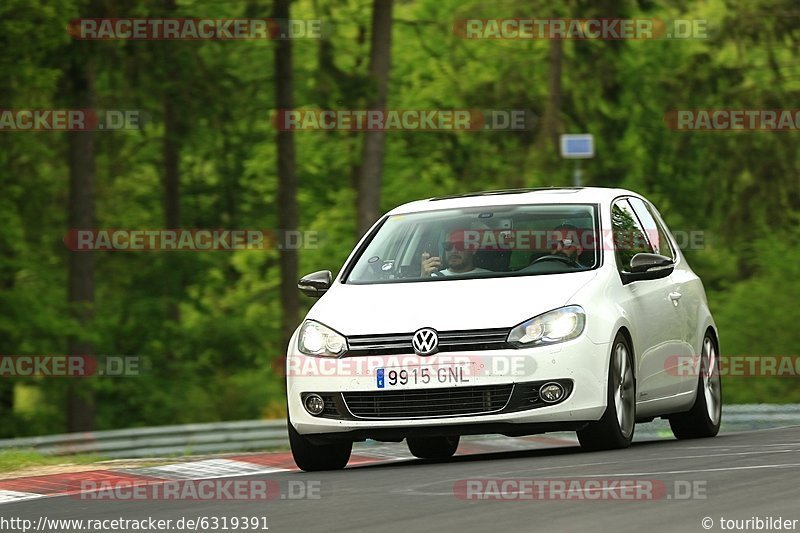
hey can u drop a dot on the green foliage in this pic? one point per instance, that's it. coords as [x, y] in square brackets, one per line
[757, 317]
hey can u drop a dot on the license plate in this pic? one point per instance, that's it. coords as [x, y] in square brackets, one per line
[415, 376]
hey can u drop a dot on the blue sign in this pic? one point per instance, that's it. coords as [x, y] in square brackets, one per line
[577, 146]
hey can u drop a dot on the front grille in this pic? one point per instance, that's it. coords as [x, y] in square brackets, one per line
[426, 403]
[330, 410]
[449, 341]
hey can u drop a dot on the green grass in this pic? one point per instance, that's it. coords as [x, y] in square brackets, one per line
[16, 459]
[11, 460]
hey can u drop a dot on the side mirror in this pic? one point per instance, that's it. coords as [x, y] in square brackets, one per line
[644, 262]
[647, 267]
[316, 283]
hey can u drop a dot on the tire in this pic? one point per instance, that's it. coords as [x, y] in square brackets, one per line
[704, 418]
[615, 429]
[433, 447]
[313, 457]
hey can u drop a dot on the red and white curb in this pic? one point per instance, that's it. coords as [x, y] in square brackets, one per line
[75, 483]
[14, 496]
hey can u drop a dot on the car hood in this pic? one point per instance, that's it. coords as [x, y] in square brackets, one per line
[444, 305]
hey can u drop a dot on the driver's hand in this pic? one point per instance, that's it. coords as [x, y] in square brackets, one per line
[430, 264]
[571, 254]
[571, 251]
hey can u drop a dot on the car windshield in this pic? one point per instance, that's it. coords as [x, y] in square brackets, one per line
[480, 242]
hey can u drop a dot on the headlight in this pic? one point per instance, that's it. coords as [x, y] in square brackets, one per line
[322, 341]
[554, 326]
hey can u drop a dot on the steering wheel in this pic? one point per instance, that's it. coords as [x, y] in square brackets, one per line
[566, 260]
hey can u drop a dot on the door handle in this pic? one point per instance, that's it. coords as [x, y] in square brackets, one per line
[675, 296]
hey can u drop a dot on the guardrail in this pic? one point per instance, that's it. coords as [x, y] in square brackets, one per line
[739, 417]
[250, 435]
[157, 441]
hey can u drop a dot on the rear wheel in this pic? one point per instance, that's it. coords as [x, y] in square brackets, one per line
[433, 447]
[615, 429]
[704, 418]
[313, 457]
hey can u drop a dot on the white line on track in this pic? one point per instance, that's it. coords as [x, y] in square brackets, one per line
[414, 491]
[695, 471]
[741, 446]
[627, 461]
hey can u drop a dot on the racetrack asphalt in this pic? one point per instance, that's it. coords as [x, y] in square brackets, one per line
[733, 476]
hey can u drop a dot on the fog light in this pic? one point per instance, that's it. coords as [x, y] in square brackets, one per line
[551, 392]
[314, 404]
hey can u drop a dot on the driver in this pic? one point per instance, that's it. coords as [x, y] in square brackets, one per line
[458, 257]
[564, 243]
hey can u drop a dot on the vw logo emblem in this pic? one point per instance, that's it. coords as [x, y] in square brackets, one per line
[425, 341]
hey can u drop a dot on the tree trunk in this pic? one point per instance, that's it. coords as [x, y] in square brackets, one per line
[551, 121]
[171, 152]
[172, 202]
[7, 344]
[80, 396]
[287, 181]
[369, 179]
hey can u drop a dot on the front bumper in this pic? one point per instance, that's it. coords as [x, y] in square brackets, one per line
[580, 362]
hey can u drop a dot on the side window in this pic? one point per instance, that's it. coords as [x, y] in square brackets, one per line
[655, 233]
[629, 236]
[663, 233]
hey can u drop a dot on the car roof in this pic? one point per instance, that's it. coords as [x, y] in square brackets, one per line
[542, 195]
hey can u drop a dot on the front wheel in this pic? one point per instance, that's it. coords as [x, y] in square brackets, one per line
[433, 447]
[615, 429]
[313, 457]
[704, 418]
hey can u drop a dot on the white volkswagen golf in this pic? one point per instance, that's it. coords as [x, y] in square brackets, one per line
[514, 312]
